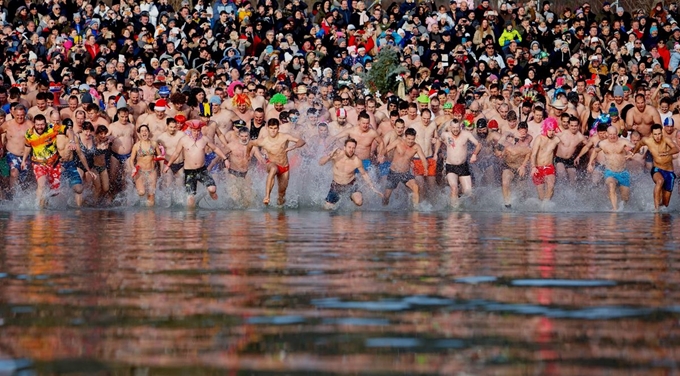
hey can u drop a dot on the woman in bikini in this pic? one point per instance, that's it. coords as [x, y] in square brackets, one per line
[96, 148]
[143, 164]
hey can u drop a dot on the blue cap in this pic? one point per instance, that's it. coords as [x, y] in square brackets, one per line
[215, 99]
[668, 122]
[164, 91]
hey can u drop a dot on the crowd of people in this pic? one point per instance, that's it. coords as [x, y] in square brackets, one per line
[145, 96]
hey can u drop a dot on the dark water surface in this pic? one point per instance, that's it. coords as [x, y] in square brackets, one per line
[304, 292]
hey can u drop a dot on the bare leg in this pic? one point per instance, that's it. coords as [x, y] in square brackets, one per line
[151, 198]
[411, 184]
[658, 188]
[40, 192]
[549, 186]
[452, 179]
[625, 194]
[506, 180]
[465, 185]
[283, 186]
[191, 201]
[116, 172]
[212, 190]
[665, 198]
[78, 192]
[561, 171]
[271, 173]
[572, 176]
[611, 187]
[13, 179]
[386, 196]
[357, 198]
[540, 189]
[420, 180]
[431, 183]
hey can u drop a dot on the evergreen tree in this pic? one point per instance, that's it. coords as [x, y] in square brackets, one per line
[382, 78]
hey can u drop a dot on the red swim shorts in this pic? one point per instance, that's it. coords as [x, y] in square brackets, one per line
[53, 173]
[543, 171]
[419, 169]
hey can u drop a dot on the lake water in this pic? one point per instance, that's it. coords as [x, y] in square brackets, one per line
[137, 292]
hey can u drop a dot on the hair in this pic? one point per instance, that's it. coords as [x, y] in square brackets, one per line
[399, 121]
[92, 107]
[102, 129]
[364, 115]
[425, 110]
[39, 117]
[87, 126]
[273, 122]
[410, 132]
[139, 129]
[656, 126]
[350, 139]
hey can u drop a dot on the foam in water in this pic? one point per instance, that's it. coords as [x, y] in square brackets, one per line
[309, 184]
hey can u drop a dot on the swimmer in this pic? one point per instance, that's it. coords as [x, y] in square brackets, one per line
[457, 167]
[345, 163]
[662, 150]
[400, 170]
[565, 155]
[615, 150]
[542, 156]
[276, 147]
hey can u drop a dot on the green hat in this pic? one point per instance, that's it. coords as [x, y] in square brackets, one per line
[448, 105]
[423, 98]
[278, 99]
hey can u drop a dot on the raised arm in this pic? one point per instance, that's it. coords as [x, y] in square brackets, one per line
[328, 157]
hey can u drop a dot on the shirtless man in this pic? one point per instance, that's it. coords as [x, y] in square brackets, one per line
[536, 124]
[238, 162]
[484, 170]
[615, 150]
[68, 162]
[340, 124]
[636, 163]
[15, 131]
[457, 168]
[242, 108]
[642, 117]
[93, 116]
[598, 172]
[158, 121]
[426, 133]
[662, 150]
[168, 141]
[192, 149]
[277, 103]
[669, 130]
[365, 137]
[345, 165]
[412, 116]
[515, 155]
[122, 134]
[542, 156]
[388, 139]
[223, 118]
[70, 111]
[400, 170]
[213, 133]
[41, 107]
[566, 150]
[501, 116]
[276, 148]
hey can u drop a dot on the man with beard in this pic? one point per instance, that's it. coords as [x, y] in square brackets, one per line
[457, 167]
[565, 155]
[485, 168]
[365, 137]
[41, 144]
[400, 170]
[345, 165]
[615, 150]
[238, 162]
[515, 154]
[340, 124]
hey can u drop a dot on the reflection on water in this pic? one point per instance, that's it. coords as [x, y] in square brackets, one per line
[315, 292]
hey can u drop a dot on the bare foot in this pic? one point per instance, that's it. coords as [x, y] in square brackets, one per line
[385, 201]
[213, 195]
[266, 201]
[281, 201]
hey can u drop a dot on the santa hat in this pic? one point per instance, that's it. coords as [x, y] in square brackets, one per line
[432, 93]
[160, 105]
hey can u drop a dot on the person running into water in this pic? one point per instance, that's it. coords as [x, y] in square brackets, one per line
[276, 148]
[142, 164]
[615, 150]
[515, 153]
[457, 167]
[192, 149]
[662, 150]
[345, 165]
[400, 169]
[542, 156]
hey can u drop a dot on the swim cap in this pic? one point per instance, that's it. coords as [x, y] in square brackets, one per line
[164, 91]
[481, 123]
[459, 109]
[668, 122]
[204, 109]
[448, 106]
[493, 124]
[160, 105]
[278, 98]
[341, 112]
[215, 99]
[423, 98]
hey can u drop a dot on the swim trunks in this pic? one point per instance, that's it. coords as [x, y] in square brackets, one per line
[394, 178]
[14, 163]
[460, 170]
[542, 171]
[280, 169]
[668, 178]
[384, 168]
[419, 169]
[208, 160]
[71, 173]
[4, 167]
[122, 158]
[238, 174]
[568, 162]
[175, 167]
[339, 189]
[53, 173]
[621, 177]
[192, 177]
